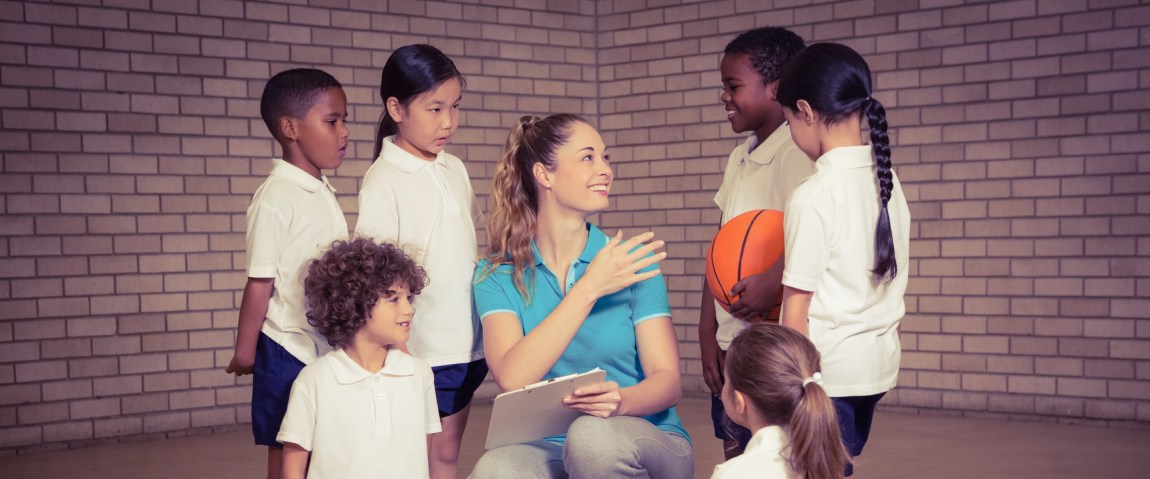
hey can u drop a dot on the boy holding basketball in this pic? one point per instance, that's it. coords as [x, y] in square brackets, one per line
[760, 174]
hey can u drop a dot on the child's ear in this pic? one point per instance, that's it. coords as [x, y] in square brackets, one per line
[542, 175]
[806, 112]
[773, 87]
[287, 127]
[740, 402]
[394, 109]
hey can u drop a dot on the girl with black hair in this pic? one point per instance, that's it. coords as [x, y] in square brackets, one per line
[419, 196]
[847, 233]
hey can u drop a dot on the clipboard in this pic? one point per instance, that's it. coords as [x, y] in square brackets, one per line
[537, 410]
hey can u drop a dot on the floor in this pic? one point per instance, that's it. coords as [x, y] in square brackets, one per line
[902, 445]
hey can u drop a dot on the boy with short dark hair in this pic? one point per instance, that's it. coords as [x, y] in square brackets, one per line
[365, 409]
[761, 173]
[293, 216]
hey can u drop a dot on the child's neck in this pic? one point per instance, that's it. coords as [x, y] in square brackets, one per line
[369, 356]
[838, 135]
[768, 129]
[405, 145]
[298, 160]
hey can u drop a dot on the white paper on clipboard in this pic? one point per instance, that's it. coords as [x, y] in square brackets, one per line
[537, 410]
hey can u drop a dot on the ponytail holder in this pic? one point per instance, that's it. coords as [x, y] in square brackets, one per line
[816, 378]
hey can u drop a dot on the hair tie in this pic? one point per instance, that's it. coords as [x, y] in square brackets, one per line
[816, 378]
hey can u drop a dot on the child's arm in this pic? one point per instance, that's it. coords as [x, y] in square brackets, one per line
[294, 461]
[757, 293]
[709, 351]
[796, 307]
[253, 309]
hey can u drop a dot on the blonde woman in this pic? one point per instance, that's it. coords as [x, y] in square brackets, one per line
[558, 296]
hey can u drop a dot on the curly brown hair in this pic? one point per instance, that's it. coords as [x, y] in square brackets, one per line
[344, 284]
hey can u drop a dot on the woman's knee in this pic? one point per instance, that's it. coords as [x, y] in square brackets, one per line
[598, 446]
[523, 461]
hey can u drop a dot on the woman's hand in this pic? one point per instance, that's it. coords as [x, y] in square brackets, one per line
[599, 400]
[617, 265]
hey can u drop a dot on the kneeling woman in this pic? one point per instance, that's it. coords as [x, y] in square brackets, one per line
[557, 297]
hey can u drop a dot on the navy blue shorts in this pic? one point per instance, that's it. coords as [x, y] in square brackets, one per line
[855, 414]
[455, 385]
[275, 370]
[725, 428]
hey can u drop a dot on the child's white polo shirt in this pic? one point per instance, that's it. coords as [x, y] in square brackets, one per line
[765, 456]
[755, 179]
[830, 230]
[293, 218]
[429, 208]
[362, 424]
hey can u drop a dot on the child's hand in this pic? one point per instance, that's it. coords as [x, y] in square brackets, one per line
[758, 293]
[712, 358]
[599, 400]
[240, 365]
[616, 266]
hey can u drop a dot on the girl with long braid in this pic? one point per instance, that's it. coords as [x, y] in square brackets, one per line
[847, 231]
[557, 297]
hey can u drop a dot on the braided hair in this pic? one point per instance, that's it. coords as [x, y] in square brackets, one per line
[836, 81]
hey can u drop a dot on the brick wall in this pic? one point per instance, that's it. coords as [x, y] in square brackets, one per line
[130, 144]
[1021, 134]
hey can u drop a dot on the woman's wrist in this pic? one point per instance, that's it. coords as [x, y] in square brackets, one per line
[582, 293]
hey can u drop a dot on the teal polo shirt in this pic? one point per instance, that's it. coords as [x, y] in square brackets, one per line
[607, 338]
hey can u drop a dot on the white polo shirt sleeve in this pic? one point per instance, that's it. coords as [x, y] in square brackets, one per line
[299, 422]
[267, 226]
[378, 211]
[807, 229]
[430, 406]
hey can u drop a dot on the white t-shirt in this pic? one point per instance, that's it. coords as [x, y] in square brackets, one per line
[293, 219]
[429, 208]
[830, 230]
[362, 424]
[761, 179]
[762, 458]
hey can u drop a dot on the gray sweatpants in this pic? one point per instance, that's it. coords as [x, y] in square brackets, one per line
[596, 448]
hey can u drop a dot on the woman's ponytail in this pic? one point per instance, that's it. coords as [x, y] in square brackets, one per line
[511, 224]
[885, 264]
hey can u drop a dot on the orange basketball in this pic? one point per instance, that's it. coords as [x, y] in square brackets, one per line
[746, 245]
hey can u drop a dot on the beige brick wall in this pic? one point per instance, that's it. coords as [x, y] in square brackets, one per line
[130, 144]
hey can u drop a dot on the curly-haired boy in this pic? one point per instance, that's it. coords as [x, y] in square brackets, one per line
[366, 408]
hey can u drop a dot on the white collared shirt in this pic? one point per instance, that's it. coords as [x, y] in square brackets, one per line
[429, 208]
[762, 458]
[357, 423]
[830, 230]
[755, 179]
[293, 218]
